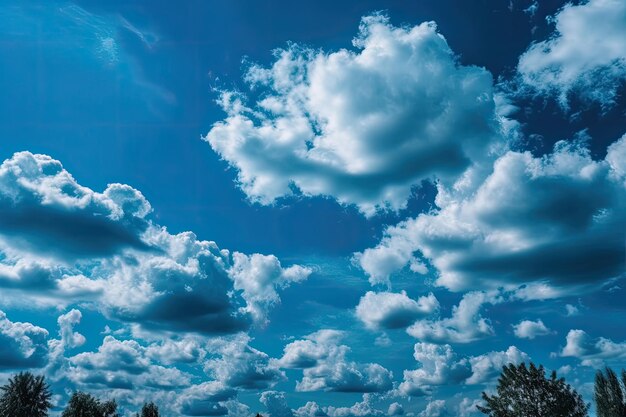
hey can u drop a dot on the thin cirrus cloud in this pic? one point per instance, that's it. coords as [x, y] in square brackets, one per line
[522, 223]
[134, 271]
[361, 126]
[585, 55]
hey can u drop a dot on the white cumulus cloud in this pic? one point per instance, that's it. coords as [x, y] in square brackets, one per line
[363, 126]
[586, 54]
[387, 310]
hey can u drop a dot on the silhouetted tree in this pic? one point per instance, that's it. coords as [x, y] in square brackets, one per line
[25, 395]
[150, 410]
[526, 392]
[82, 404]
[609, 394]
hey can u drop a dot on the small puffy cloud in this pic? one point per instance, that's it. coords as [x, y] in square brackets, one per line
[387, 310]
[592, 352]
[241, 366]
[22, 345]
[571, 310]
[468, 407]
[439, 366]
[395, 409]
[522, 223]
[435, 408]
[276, 404]
[258, 277]
[487, 367]
[69, 337]
[325, 367]
[310, 409]
[464, 326]
[527, 329]
[586, 54]
[363, 126]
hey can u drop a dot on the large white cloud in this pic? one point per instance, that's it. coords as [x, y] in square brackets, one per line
[325, 367]
[361, 126]
[44, 210]
[61, 242]
[387, 310]
[524, 222]
[585, 54]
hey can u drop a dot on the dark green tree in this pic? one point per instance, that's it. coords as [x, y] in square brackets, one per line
[609, 394]
[526, 392]
[150, 410]
[25, 395]
[82, 404]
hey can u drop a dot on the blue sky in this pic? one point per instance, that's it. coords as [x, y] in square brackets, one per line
[354, 208]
